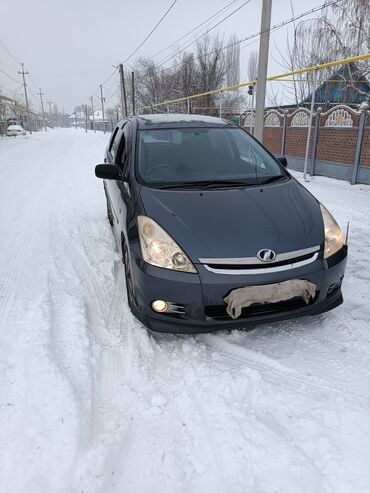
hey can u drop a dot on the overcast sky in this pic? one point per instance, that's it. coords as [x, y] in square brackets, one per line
[56, 39]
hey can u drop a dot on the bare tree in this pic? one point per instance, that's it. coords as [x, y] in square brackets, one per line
[212, 66]
[342, 32]
[252, 67]
[252, 73]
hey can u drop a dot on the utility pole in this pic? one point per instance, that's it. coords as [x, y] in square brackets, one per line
[93, 113]
[251, 93]
[26, 97]
[42, 107]
[309, 126]
[85, 108]
[49, 103]
[262, 69]
[102, 106]
[133, 92]
[123, 91]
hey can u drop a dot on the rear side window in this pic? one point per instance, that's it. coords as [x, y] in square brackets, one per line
[126, 137]
[115, 144]
[112, 139]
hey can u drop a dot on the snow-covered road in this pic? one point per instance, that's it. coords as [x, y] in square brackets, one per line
[90, 402]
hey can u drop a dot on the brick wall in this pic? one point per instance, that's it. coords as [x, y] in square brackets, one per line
[336, 144]
[365, 154]
[272, 139]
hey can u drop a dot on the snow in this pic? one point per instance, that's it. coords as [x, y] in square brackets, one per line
[90, 402]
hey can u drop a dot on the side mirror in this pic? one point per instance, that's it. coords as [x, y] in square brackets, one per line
[108, 172]
[283, 161]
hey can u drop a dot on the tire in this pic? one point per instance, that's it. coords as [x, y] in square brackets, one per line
[109, 214]
[128, 277]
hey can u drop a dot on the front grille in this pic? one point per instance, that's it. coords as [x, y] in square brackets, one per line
[218, 312]
[260, 266]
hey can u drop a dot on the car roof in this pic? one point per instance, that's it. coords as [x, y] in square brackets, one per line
[173, 120]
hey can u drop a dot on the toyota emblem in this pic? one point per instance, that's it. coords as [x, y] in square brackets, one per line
[266, 255]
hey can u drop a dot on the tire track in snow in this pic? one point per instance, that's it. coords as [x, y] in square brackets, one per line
[95, 311]
[265, 364]
[42, 405]
[107, 351]
[208, 438]
[112, 309]
[13, 271]
[71, 348]
[118, 302]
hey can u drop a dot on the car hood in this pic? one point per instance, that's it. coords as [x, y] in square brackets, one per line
[237, 222]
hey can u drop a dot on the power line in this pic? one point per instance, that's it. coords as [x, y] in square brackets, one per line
[111, 97]
[277, 77]
[111, 75]
[8, 68]
[70, 74]
[151, 32]
[257, 34]
[195, 28]
[34, 83]
[15, 92]
[9, 52]
[113, 93]
[106, 80]
[204, 34]
[10, 77]
[109, 89]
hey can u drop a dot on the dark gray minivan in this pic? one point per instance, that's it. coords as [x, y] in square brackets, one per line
[214, 231]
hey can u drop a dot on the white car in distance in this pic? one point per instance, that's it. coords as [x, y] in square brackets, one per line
[14, 130]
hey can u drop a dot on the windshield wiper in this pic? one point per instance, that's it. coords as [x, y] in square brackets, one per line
[271, 179]
[208, 184]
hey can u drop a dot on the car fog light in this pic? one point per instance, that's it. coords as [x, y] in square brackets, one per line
[160, 306]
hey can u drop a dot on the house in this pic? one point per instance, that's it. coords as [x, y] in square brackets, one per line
[348, 85]
[78, 118]
[11, 112]
[98, 116]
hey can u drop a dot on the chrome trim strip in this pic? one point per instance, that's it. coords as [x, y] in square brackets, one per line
[268, 270]
[280, 257]
[174, 308]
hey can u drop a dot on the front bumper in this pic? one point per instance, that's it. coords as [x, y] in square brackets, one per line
[199, 292]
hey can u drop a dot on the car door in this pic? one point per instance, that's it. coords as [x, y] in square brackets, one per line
[124, 194]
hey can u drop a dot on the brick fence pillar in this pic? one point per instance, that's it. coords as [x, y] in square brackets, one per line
[283, 135]
[315, 140]
[360, 137]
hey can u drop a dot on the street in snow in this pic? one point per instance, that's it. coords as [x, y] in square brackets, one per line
[92, 402]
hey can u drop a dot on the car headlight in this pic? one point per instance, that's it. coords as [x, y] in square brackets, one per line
[159, 249]
[334, 239]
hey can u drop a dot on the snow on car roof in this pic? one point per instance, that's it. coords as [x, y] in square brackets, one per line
[180, 120]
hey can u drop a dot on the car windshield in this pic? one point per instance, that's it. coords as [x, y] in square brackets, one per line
[204, 157]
